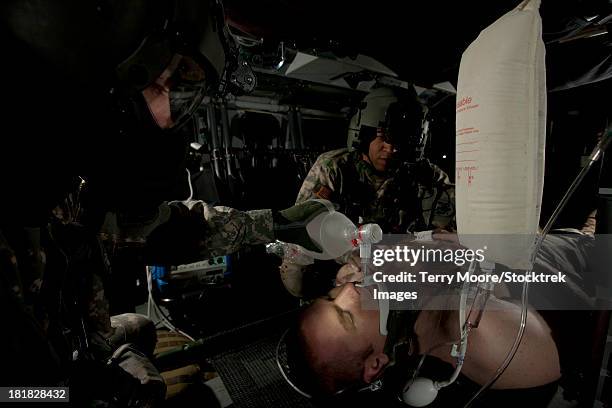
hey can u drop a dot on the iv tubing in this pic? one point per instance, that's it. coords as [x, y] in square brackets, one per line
[595, 155]
[464, 329]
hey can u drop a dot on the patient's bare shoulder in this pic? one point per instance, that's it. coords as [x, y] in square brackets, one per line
[536, 361]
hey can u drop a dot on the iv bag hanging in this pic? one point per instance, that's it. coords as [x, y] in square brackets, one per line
[500, 137]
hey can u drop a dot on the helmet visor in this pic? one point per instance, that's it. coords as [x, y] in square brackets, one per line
[402, 127]
[177, 92]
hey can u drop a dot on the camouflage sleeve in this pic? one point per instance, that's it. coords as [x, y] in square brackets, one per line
[321, 181]
[182, 233]
[440, 176]
[444, 209]
[442, 200]
[437, 194]
[230, 229]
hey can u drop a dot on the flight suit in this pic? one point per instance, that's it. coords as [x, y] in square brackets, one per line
[408, 198]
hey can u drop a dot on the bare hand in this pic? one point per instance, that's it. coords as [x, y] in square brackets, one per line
[443, 235]
[351, 271]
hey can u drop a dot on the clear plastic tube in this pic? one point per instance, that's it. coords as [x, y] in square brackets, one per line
[367, 235]
[595, 155]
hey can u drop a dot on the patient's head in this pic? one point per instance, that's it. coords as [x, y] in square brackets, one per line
[338, 344]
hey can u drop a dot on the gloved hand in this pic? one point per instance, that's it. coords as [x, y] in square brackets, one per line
[292, 276]
[293, 265]
[135, 381]
[290, 224]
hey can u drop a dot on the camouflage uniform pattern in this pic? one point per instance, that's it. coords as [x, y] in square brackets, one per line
[52, 283]
[140, 385]
[409, 198]
[230, 229]
[10, 270]
[133, 328]
[52, 277]
[191, 231]
[27, 357]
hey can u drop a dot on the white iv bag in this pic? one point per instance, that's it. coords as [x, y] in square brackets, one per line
[500, 134]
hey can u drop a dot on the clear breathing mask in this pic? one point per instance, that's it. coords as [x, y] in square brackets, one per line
[336, 234]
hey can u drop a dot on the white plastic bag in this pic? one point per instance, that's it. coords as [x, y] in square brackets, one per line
[500, 131]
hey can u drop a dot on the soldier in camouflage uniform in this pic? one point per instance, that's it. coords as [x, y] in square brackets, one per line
[408, 198]
[104, 82]
[52, 281]
[382, 181]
